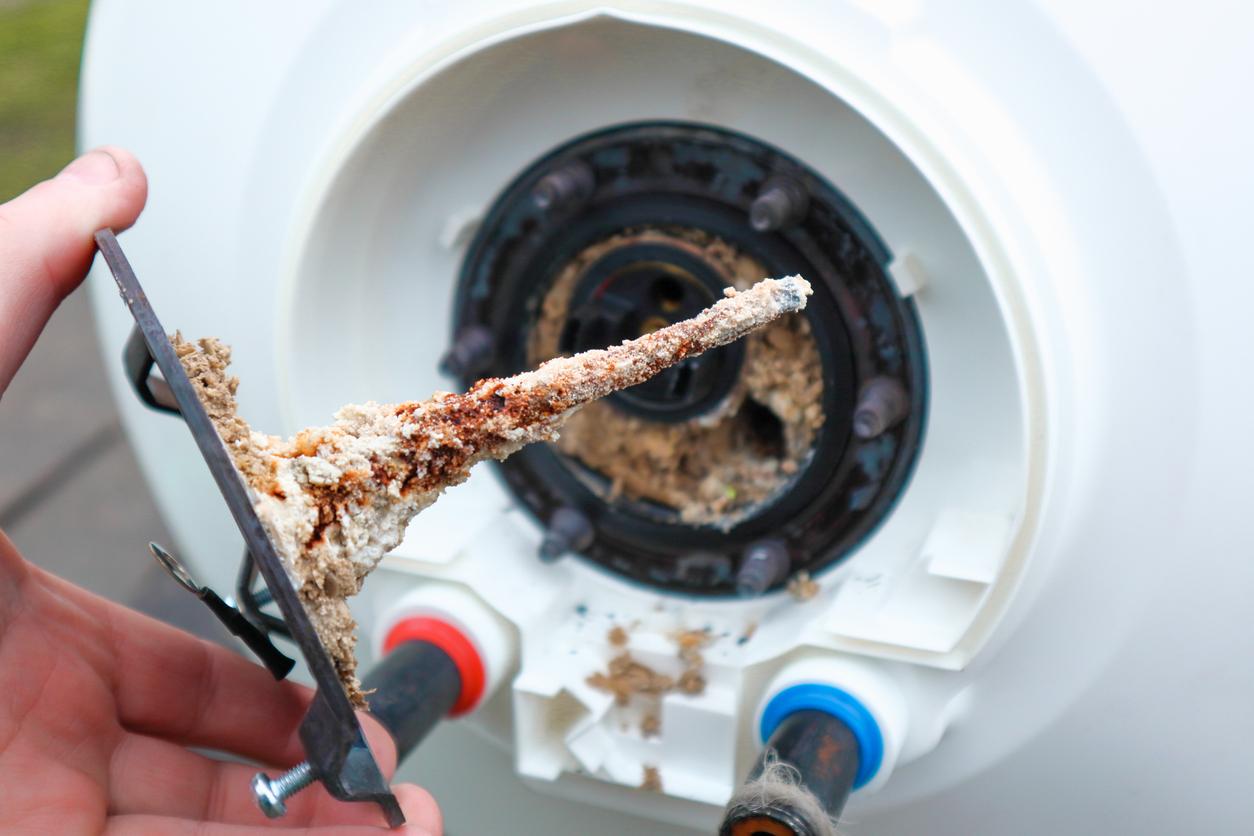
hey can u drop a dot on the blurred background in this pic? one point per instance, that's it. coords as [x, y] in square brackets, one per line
[71, 496]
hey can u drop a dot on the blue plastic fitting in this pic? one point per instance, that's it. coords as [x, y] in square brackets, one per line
[841, 705]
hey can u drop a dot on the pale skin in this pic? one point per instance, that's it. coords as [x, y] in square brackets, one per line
[99, 704]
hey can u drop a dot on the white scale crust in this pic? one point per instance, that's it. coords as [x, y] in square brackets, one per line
[328, 559]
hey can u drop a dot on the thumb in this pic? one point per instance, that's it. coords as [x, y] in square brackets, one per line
[46, 242]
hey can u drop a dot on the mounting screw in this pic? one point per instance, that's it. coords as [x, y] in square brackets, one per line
[780, 203]
[882, 404]
[764, 563]
[703, 569]
[471, 352]
[568, 530]
[270, 794]
[564, 188]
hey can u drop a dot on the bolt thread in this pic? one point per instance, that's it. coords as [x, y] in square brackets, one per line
[294, 780]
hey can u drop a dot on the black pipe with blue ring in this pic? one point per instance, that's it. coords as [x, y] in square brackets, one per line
[821, 743]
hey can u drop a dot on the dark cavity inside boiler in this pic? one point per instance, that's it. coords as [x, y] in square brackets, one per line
[735, 470]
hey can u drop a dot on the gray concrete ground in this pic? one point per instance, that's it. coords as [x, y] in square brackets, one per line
[71, 495]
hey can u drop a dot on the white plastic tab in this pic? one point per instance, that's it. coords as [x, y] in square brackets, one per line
[931, 601]
[460, 227]
[907, 273]
[967, 546]
[699, 743]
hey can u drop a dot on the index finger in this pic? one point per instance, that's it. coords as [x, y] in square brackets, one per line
[46, 241]
[170, 684]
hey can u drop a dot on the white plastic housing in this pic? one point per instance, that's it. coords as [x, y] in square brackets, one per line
[955, 546]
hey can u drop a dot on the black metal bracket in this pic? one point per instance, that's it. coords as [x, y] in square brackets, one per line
[256, 639]
[334, 743]
[155, 393]
[251, 600]
[139, 361]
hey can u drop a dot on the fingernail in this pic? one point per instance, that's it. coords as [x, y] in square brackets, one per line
[94, 168]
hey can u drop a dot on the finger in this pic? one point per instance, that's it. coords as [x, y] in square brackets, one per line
[169, 684]
[148, 776]
[148, 825]
[46, 241]
[14, 570]
[196, 693]
[421, 811]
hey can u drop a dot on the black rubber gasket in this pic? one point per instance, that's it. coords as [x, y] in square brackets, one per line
[679, 175]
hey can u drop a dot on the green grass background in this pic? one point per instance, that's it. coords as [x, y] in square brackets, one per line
[41, 46]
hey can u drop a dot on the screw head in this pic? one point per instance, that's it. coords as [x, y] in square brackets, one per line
[882, 403]
[270, 802]
[568, 530]
[564, 188]
[765, 562]
[473, 348]
[781, 203]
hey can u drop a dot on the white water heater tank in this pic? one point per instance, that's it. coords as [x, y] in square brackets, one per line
[1045, 611]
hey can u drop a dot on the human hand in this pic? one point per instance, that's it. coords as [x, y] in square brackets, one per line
[98, 703]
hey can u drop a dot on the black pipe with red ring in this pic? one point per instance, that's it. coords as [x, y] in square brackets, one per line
[430, 671]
